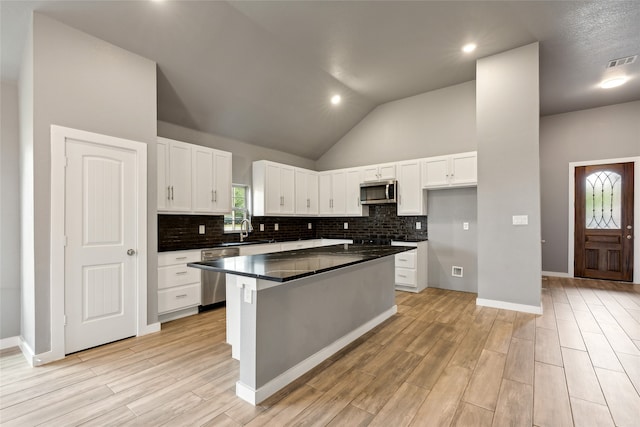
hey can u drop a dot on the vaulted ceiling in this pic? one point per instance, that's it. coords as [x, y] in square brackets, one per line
[263, 72]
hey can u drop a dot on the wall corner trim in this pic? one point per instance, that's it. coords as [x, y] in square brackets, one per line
[556, 274]
[149, 329]
[509, 306]
[9, 342]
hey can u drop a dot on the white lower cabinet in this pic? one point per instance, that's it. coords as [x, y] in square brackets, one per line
[179, 286]
[411, 267]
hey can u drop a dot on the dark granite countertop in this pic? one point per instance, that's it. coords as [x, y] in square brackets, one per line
[291, 265]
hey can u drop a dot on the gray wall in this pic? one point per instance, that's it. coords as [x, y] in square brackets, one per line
[85, 83]
[509, 258]
[595, 134]
[430, 124]
[449, 243]
[9, 212]
[244, 154]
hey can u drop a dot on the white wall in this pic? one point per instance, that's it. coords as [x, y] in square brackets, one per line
[430, 124]
[594, 134]
[82, 82]
[244, 154]
[9, 212]
[508, 111]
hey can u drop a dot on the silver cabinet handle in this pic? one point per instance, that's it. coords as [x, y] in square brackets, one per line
[402, 275]
[358, 200]
[181, 257]
[308, 203]
[181, 296]
[168, 192]
[172, 192]
[131, 252]
[402, 259]
[212, 195]
[215, 196]
[180, 273]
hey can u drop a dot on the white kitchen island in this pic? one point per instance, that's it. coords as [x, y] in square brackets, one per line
[289, 311]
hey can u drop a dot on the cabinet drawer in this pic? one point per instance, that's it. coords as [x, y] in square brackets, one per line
[406, 259]
[405, 276]
[177, 275]
[180, 257]
[179, 297]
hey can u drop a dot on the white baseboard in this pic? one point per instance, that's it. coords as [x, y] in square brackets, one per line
[149, 329]
[254, 397]
[509, 306]
[9, 342]
[555, 274]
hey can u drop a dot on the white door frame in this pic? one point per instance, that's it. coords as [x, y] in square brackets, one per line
[636, 210]
[59, 136]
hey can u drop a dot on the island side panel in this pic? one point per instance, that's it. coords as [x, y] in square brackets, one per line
[302, 317]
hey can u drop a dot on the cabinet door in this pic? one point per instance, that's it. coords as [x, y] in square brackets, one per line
[435, 172]
[387, 171]
[409, 189]
[312, 193]
[203, 191]
[180, 176]
[222, 181]
[302, 199]
[464, 169]
[287, 190]
[273, 198]
[370, 173]
[324, 193]
[353, 180]
[164, 191]
[339, 193]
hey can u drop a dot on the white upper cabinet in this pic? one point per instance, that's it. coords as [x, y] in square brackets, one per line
[456, 170]
[410, 192]
[352, 205]
[332, 193]
[174, 175]
[381, 172]
[192, 178]
[211, 180]
[273, 189]
[306, 184]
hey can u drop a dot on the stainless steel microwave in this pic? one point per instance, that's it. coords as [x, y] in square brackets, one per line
[373, 193]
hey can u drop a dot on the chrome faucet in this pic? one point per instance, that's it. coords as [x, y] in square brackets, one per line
[245, 229]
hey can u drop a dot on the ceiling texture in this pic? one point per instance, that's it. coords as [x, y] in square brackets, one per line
[263, 71]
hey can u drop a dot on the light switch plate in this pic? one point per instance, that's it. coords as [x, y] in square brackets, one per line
[201, 229]
[261, 227]
[247, 295]
[276, 227]
[309, 226]
[520, 219]
[418, 225]
[465, 225]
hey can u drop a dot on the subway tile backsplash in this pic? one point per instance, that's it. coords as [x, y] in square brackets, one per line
[178, 232]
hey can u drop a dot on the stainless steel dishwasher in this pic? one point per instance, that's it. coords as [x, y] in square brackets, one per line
[214, 284]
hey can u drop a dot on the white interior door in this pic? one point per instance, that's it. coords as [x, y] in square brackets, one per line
[100, 256]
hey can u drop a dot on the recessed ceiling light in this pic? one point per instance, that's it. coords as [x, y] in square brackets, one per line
[335, 99]
[613, 82]
[468, 48]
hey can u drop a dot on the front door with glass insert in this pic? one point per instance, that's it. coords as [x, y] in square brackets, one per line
[604, 222]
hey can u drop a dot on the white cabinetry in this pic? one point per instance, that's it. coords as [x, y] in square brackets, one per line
[456, 170]
[211, 185]
[352, 204]
[410, 193]
[411, 267]
[332, 193]
[179, 286]
[381, 172]
[192, 178]
[273, 189]
[306, 183]
[174, 175]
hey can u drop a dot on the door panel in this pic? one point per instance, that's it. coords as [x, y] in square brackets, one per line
[100, 224]
[604, 221]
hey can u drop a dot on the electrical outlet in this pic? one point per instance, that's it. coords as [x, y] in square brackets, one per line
[346, 225]
[309, 226]
[261, 227]
[201, 229]
[465, 225]
[418, 225]
[276, 227]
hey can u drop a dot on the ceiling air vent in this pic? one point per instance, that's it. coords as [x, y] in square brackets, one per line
[622, 61]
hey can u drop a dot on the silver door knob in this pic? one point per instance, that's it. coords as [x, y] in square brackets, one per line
[131, 252]
[628, 236]
[629, 227]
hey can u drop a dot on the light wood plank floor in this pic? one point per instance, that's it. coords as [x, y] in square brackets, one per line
[441, 361]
